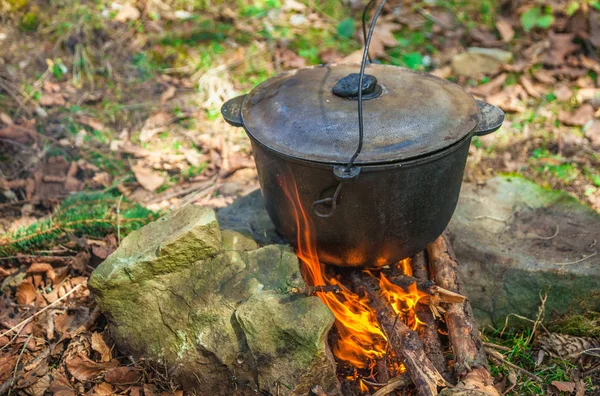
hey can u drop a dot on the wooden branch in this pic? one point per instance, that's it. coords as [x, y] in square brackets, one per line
[404, 341]
[429, 330]
[312, 290]
[471, 364]
[428, 287]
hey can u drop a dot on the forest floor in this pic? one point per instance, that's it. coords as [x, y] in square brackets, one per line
[123, 99]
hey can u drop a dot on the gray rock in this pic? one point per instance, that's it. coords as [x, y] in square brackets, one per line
[503, 236]
[205, 302]
[478, 61]
[516, 241]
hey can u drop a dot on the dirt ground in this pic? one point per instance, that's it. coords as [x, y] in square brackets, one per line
[114, 107]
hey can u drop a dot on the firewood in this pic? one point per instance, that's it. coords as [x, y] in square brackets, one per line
[425, 286]
[429, 330]
[471, 364]
[313, 290]
[404, 341]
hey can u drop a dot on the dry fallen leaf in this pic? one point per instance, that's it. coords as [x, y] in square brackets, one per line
[148, 178]
[579, 117]
[127, 13]
[484, 90]
[563, 386]
[505, 29]
[592, 133]
[99, 345]
[5, 118]
[563, 93]
[60, 385]
[39, 268]
[561, 46]
[122, 375]
[91, 122]
[168, 94]
[383, 36]
[85, 369]
[23, 133]
[7, 365]
[154, 124]
[103, 389]
[25, 293]
[528, 85]
[289, 59]
[52, 99]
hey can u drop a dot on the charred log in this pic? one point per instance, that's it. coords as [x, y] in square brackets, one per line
[404, 341]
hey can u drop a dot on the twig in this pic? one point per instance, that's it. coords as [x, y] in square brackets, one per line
[550, 237]
[578, 261]
[119, 220]
[8, 384]
[14, 377]
[393, 384]
[500, 358]
[496, 346]
[312, 290]
[29, 319]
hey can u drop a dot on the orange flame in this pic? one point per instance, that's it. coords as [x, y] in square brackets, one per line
[360, 338]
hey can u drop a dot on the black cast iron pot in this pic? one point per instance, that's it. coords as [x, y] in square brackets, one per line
[400, 192]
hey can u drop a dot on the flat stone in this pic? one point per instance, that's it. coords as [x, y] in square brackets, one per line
[479, 61]
[173, 293]
[515, 241]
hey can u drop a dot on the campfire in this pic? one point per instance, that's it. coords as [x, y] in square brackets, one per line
[403, 324]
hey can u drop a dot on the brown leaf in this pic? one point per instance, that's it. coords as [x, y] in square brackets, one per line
[39, 268]
[561, 46]
[587, 94]
[91, 122]
[80, 261]
[505, 29]
[383, 36]
[595, 28]
[23, 133]
[26, 293]
[579, 117]
[563, 93]
[123, 375]
[510, 99]
[484, 90]
[330, 55]
[127, 13]
[60, 385]
[101, 252]
[99, 345]
[563, 386]
[544, 76]
[150, 390]
[85, 370]
[52, 99]
[135, 391]
[529, 87]
[580, 388]
[148, 178]
[5, 118]
[592, 133]
[7, 365]
[154, 124]
[103, 389]
[289, 59]
[168, 94]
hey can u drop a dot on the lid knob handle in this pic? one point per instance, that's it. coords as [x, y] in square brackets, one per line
[347, 87]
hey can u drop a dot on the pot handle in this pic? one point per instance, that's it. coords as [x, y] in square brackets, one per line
[490, 118]
[232, 111]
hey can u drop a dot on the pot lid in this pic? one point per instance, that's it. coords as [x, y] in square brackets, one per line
[409, 114]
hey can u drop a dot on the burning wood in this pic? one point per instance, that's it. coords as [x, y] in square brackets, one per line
[404, 341]
[427, 287]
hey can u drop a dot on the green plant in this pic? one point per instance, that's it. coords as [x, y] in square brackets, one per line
[91, 214]
[346, 28]
[537, 17]
[57, 68]
[30, 21]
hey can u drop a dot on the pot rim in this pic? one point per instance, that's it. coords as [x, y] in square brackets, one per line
[400, 163]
